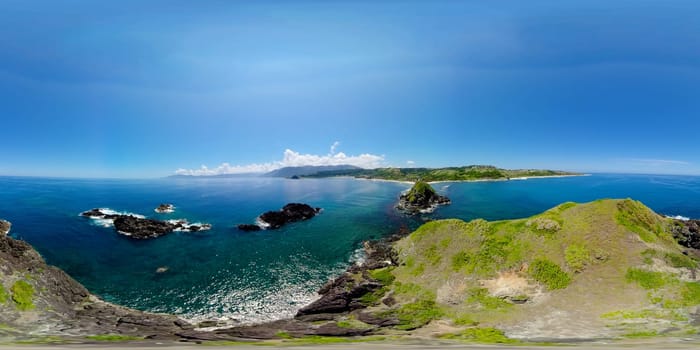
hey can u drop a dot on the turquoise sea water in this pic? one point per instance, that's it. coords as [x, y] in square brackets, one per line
[256, 276]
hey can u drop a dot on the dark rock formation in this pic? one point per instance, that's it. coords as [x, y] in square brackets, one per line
[421, 198]
[249, 227]
[289, 213]
[343, 294]
[686, 232]
[165, 208]
[61, 306]
[140, 228]
[4, 227]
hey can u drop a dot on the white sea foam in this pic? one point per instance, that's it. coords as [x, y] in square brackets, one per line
[104, 222]
[263, 225]
[678, 217]
[358, 257]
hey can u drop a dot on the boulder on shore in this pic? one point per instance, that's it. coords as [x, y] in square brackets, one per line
[687, 232]
[4, 227]
[421, 198]
[275, 219]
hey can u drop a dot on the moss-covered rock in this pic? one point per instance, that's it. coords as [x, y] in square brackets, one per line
[421, 198]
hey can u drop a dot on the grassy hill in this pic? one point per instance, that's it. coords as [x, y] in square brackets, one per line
[465, 173]
[603, 269]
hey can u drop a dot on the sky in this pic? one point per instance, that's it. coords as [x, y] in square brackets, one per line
[150, 88]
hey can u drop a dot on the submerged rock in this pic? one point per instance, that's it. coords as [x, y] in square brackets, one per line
[165, 208]
[421, 198]
[249, 227]
[275, 219]
[4, 227]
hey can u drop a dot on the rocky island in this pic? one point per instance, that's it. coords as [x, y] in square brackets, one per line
[421, 198]
[165, 208]
[291, 212]
[137, 227]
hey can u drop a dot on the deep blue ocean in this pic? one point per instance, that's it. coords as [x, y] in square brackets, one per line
[239, 276]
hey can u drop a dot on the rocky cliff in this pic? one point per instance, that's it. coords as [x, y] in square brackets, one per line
[37, 299]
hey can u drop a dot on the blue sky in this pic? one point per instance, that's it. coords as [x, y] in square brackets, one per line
[141, 89]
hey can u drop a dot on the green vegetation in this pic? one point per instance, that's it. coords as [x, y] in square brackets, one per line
[352, 323]
[417, 314]
[419, 192]
[383, 275]
[680, 260]
[113, 337]
[22, 295]
[3, 294]
[465, 320]
[549, 274]
[488, 302]
[373, 298]
[283, 335]
[690, 294]
[641, 334]
[647, 279]
[577, 257]
[465, 173]
[641, 220]
[481, 335]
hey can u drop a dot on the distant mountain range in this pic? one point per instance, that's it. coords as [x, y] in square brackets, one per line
[309, 170]
[291, 171]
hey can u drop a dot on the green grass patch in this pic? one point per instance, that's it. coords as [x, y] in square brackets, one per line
[113, 337]
[690, 295]
[481, 335]
[641, 334]
[383, 275]
[460, 260]
[549, 274]
[417, 314]
[680, 260]
[639, 219]
[373, 298]
[3, 294]
[433, 255]
[646, 279]
[352, 323]
[283, 335]
[577, 257]
[488, 302]
[22, 295]
[465, 320]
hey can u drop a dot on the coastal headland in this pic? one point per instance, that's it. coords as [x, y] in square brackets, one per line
[534, 279]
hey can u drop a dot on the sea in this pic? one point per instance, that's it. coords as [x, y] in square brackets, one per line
[240, 277]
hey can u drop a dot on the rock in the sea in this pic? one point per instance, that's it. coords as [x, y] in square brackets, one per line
[687, 232]
[162, 269]
[421, 198]
[289, 213]
[165, 208]
[142, 228]
[249, 227]
[4, 227]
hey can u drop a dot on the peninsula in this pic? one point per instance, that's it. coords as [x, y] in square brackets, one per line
[463, 173]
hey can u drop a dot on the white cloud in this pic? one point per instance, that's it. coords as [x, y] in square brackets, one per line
[334, 146]
[410, 163]
[658, 162]
[290, 158]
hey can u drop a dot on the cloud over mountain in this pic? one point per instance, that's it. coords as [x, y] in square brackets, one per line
[290, 158]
